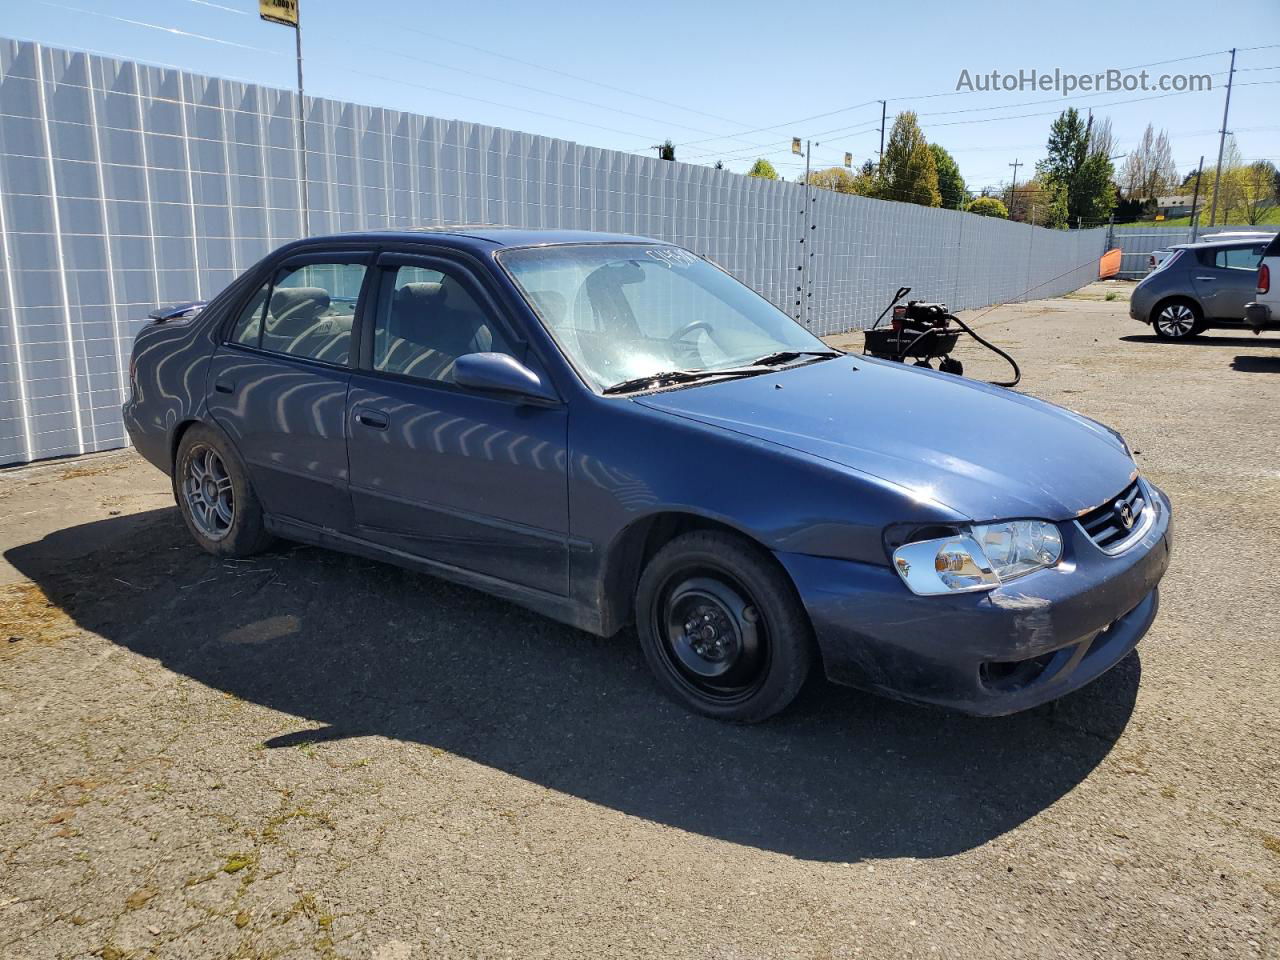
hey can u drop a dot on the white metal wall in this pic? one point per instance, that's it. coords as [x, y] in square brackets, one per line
[124, 185]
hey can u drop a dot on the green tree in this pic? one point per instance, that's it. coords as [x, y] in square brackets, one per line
[908, 171]
[1083, 176]
[834, 178]
[1258, 190]
[950, 184]
[763, 169]
[988, 207]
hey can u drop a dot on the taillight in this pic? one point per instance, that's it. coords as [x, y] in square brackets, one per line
[1264, 279]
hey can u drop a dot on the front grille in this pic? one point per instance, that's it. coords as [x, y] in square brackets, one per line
[1105, 525]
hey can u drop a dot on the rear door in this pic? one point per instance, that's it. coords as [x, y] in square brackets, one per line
[1225, 279]
[278, 385]
[462, 477]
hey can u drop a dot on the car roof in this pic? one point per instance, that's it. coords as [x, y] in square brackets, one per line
[486, 236]
[1238, 241]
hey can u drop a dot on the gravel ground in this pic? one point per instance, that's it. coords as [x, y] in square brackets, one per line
[309, 755]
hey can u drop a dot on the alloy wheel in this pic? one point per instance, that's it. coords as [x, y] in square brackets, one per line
[1176, 320]
[207, 489]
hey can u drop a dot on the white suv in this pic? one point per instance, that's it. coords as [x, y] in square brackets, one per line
[1264, 312]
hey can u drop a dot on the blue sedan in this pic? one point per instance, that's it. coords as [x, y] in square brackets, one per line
[612, 430]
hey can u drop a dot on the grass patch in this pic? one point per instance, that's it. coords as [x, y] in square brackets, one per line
[28, 616]
[239, 861]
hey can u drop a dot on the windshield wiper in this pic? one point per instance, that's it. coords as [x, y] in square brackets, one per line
[687, 376]
[786, 356]
[662, 380]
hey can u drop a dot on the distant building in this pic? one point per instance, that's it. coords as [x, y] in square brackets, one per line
[1169, 207]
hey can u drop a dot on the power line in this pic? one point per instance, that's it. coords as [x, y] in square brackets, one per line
[565, 73]
[173, 31]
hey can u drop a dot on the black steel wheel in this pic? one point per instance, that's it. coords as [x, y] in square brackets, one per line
[722, 628]
[214, 495]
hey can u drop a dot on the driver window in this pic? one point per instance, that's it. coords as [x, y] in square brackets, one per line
[427, 319]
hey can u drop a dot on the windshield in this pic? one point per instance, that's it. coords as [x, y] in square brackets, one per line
[626, 311]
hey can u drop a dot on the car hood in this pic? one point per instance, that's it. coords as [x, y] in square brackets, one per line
[984, 452]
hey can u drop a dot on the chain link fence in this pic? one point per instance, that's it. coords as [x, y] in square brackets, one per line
[124, 185]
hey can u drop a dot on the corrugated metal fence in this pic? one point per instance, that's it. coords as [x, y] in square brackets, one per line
[124, 185]
[1138, 242]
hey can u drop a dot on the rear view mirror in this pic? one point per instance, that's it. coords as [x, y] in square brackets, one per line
[501, 374]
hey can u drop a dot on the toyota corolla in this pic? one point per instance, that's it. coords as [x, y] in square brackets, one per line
[612, 430]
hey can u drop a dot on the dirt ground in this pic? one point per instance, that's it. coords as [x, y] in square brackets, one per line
[309, 755]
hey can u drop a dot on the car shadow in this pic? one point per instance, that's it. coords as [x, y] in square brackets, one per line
[354, 648]
[1253, 363]
[1207, 339]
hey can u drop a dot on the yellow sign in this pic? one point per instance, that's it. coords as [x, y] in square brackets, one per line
[795, 146]
[279, 11]
[848, 159]
[1159, 216]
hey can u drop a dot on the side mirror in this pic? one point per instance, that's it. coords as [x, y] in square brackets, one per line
[500, 373]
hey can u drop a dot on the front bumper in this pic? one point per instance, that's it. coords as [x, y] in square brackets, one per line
[1024, 643]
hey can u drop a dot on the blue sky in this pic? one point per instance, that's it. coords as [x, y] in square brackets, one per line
[712, 75]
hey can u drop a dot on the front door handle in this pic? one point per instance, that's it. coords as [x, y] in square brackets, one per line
[224, 386]
[373, 418]
[1206, 278]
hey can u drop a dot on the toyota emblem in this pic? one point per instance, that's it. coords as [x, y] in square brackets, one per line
[1125, 512]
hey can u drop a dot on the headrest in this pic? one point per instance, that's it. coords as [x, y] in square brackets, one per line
[297, 302]
[420, 296]
[411, 311]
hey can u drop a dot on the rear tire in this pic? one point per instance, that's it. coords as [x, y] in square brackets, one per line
[721, 627]
[1177, 320]
[217, 503]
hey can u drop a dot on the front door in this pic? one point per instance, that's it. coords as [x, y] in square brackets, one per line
[470, 479]
[278, 386]
[1226, 278]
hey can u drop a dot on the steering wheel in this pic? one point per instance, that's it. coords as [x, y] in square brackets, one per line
[688, 328]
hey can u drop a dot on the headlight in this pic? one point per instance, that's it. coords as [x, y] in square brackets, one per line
[981, 560]
[1019, 546]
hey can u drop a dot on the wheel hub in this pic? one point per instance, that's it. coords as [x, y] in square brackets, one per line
[710, 634]
[713, 635]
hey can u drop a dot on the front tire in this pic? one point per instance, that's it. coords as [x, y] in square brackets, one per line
[214, 496]
[1177, 320]
[721, 627]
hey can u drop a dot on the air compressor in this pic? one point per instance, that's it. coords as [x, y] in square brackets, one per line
[924, 332]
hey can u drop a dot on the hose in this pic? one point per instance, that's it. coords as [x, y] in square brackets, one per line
[1017, 372]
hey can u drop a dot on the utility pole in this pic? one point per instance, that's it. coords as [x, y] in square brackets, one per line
[803, 288]
[1222, 140]
[1013, 188]
[883, 114]
[285, 13]
[1195, 197]
[302, 136]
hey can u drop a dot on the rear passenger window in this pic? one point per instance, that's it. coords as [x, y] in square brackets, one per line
[305, 311]
[426, 320]
[1238, 258]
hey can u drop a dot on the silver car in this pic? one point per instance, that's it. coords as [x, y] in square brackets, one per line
[1199, 286]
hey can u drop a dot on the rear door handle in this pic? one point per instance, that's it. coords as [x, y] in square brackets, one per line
[372, 418]
[224, 386]
[1206, 278]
